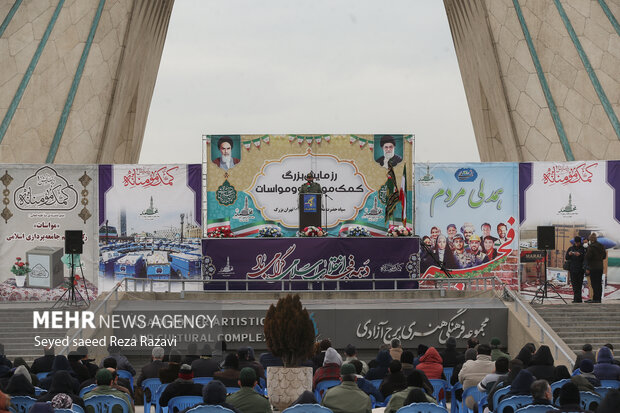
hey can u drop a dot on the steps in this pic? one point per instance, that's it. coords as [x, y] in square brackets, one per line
[578, 324]
[18, 334]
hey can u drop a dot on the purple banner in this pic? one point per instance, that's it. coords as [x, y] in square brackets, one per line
[323, 263]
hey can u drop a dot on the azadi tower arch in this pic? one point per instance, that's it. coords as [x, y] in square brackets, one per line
[77, 77]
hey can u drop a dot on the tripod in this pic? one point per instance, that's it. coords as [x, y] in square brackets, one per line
[543, 288]
[73, 297]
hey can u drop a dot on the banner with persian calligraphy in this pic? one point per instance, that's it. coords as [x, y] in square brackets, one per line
[253, 181]
[150, 222]
[467, 216]
[40, 203]
[336, 263]
[577, 198]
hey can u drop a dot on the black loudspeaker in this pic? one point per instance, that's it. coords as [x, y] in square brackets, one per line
[546, 238]
[73, 242]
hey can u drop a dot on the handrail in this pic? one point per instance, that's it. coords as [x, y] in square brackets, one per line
[104, 303]
[543, 331]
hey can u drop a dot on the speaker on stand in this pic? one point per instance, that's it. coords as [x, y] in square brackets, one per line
[545, 236]
[74, 246]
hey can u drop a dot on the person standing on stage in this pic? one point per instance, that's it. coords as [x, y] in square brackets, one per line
[575, 256]
[595, 254]
[310, 187]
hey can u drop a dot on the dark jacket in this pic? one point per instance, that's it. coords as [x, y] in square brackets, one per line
[451, 357]
[595, 254]
[383, 363]
[43, 364]
[541, 365]
[19, 385]
[61, 364]
[180, 387]
[205, 367]
[392, 383]
[604, 369]
[62, 383]
[525, 355]
[214, 393]
[583, 356]
[229, 377]
[367, 387]
[520, 385]
[121, 363]
[151, 371]
[575, 262]
[169, 373]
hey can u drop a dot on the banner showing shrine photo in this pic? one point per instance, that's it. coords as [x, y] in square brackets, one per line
[254, 181]
[150, 223]
[576, 198]
[40, 203]
[467, 217]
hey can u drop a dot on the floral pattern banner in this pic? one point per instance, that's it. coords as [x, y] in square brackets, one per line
[467, 217]
[40, 203]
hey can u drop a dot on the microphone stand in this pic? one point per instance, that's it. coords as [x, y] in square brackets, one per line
[326, 228]
[439, 264]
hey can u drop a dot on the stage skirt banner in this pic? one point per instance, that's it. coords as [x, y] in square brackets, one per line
[576, 198]
[466, 215]
[40, 203]
[254, 181]
[310, 263]
[150, 222]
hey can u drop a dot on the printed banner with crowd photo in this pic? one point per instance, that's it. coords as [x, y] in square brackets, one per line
[40, 203]
[576, 198]
[254, 182]
[466, 215]
[150, 223]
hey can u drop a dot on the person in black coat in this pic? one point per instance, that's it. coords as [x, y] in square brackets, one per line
[170, 373]
[191, 354]
[521, 385]
[214, 393]
[394, 381]
[44, 364]
[78, 368]
[61, 364]
[205, 366]
[19, 385]
[62, 382]
[570, 401]
[183, 386]
[382, 366]
[514, 367]
[151, 370]
[450, 356]
[541, 365]
[575, 256]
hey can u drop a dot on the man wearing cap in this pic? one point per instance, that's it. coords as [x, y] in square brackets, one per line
[205, 366]
[463, 258]
[347, 397]
[246, 400]
[151, 370]
[496, 352]
[183, 386]
[105, 380]
[388, 144]
[225, 161]
[478, 257]
[575, 256]
[310, 187]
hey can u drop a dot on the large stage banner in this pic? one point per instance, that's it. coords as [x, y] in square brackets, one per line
[577, 198]
[254, 181]
[40, 203]
[467, 217]
[150, 222]
[310, 263]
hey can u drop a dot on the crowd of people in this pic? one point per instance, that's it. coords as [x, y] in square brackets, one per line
[396, 377]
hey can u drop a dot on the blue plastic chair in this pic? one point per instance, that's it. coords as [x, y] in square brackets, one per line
[602, 391]
[482, 403]
[104, 403]
[202, 380]
[576, 372]
[86, 390]
[376, 383]
[536, 408]
[176, 404]
[155, 398]
[589, 400]
[447, 371]
[126, 375]
[471, 392]
[422, 408]
[499, 393]
[42, 375]
[152, 385]
[306, 408]
[39, 391]
[555, 389]
[455, 404]
[438, 385]
[322, 387]
[614, 384]
[209, 409]
[515, 402]
[231, 390]
[21, 404]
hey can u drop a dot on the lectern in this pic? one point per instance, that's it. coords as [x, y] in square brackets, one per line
[309, 210]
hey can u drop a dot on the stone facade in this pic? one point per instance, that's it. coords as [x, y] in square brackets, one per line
[542, 78]
[77, 77]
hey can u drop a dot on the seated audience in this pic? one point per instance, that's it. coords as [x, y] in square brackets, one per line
[364, 384]
[121, 361]
[470, 354]
[229, 375]
[60, 364]
[611, 347]
[183, 386]
[347, 397]
[19, 361]
[610, 402]
[414, 381]
[415, 396]
[39, 407]
[406, 360]
[541, 393]
[585, 354]
[205, 366]
[514, 366]
[431, 364]
[246, 359]
[541, 365]
[191, 354]
[80, 370]
[582, 383]
[473, 342]
[587, 371]
[151, 370]
[246, 400]
[62, 401]
[605, 369]
[350, 352]
[570, 400]
[120, 383]
[525, 355]
[307, 397]
[170, 372]
[473, 371]
[560, 373]
[496, 352]
[395, 349]
[269, 360]
[521, 385]
[214, 394]
[421, 350]
[330, 369]
[394, 381]
[61, 384]
[20, 383]
[43, 364]
[450, 356]
[501, 369]
[105, 380]
[319, 356]
[382, 364]
[88, 362]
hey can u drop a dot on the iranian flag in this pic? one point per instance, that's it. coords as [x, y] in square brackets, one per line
[222, 223]
[403, 196]
[252, 228]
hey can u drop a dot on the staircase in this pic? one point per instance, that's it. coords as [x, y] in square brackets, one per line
[578, 324]
[18, 334]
